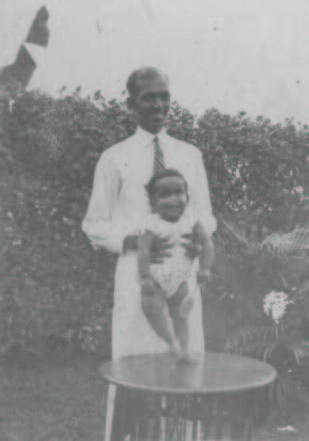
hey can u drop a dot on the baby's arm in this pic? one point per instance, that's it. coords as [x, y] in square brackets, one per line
[207, 252]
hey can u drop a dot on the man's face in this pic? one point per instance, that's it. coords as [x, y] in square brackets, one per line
[171, 198]
[151, 103]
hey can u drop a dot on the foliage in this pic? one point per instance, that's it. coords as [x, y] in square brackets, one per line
[52, 281]
[51, 278]
[280, 261]
[259, 171]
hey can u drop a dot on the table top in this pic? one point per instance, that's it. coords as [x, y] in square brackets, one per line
[214, 373]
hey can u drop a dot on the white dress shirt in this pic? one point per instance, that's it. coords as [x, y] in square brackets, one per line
[119, 186]
[119, 196]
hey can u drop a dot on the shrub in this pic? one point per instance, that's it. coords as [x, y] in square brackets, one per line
[52, 280]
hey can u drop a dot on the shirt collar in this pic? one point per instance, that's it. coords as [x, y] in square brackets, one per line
[147, 138]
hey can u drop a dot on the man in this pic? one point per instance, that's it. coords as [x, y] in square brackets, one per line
[119, 194]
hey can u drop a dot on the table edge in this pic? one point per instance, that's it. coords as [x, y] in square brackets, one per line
[109, 379]
[166, 390]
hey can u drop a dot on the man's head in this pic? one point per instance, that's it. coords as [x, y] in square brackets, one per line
[168, 194]
[149, 98]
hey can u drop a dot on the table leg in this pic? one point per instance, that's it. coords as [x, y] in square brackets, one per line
[110, 407]
[134, 417]
[221, 430]
[140, 416]
[118, 425]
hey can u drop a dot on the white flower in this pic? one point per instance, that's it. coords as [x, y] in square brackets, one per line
[299, 189]
[276, 303]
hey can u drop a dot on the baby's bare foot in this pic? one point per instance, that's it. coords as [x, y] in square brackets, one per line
[176, 350]
[187, 358]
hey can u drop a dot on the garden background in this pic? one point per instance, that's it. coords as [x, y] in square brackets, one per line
[56, 290]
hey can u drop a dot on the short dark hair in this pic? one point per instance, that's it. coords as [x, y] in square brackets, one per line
[165, 173]
[143, 73]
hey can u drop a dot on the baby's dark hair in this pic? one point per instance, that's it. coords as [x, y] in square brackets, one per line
[165, 173]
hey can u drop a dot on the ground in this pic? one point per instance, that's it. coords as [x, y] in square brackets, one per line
[63, 399]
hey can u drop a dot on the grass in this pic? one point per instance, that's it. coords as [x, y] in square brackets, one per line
[58, 400]
[63, 399]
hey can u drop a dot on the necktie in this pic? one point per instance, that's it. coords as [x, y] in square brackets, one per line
[158, 163]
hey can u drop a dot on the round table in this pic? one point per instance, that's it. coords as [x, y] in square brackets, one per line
[219, 397]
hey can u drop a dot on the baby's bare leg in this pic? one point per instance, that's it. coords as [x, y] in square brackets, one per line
[176, 306]
[180, 321]
[156, 310]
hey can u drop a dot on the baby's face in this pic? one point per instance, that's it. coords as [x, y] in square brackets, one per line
[170, 198]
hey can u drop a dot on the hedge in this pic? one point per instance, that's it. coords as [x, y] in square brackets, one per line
[51, 279]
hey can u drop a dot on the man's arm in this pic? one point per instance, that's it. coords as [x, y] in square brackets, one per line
[98, 223]
[200, 197]
[207, 249]
[201, 205]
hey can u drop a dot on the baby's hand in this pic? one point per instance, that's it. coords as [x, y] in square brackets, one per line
[203, 276]
[198, 230]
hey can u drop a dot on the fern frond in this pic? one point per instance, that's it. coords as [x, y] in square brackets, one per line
[236, 235]
[284, 244]
[277, 245]
[287, 391]
[300, 350]
[304, 288]
[261, 342]
[248, 338]
[269, 350]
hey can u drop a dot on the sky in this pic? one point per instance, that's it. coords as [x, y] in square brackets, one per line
[235, 55]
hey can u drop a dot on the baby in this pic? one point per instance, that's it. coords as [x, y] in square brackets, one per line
[166, 300]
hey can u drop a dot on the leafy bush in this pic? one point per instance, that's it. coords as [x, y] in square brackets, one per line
[271, 278]
[52, 280]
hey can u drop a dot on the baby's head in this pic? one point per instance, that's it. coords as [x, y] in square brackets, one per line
[168, 194]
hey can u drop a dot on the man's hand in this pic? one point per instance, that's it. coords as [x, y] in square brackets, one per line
[130, 243]
[159, 249]
[193, 248]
